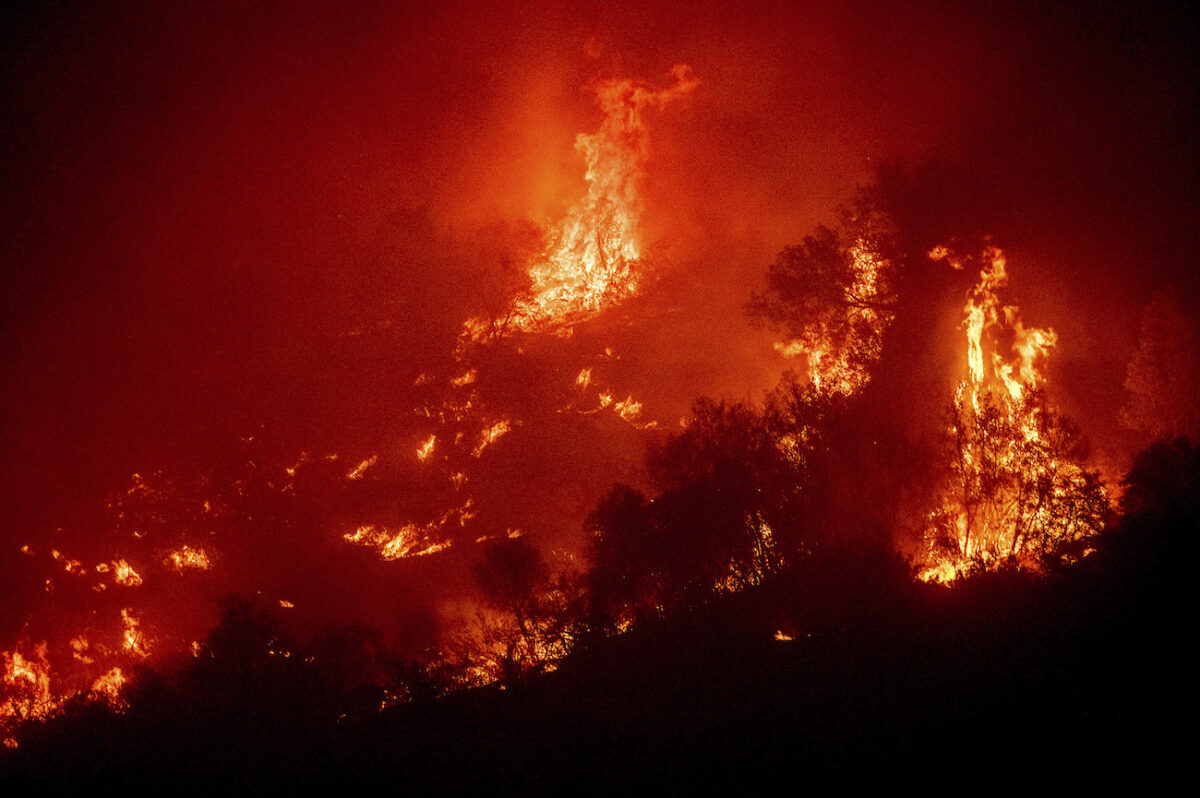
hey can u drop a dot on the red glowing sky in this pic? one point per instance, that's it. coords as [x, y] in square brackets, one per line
[201, 203]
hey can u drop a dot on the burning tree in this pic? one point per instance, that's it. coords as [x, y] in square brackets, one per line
[728, 510]
[529, 617]
[834, 295]
[857, 301]
[1015, 491]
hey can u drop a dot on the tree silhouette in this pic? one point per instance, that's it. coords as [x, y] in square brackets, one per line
[725, 482]
[529, 617]
[835, 294]
[1163, 377]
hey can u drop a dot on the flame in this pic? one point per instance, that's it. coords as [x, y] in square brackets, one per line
[408, 541]
[591, 258]
[490, 435]
[109, 686]
[134, 640]
[188, 557]
[362, 467]
[1014, 487]
[628, 409]
[844, 368]
[27, 686]
[125, 575]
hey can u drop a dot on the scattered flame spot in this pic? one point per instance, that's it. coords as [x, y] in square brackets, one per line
[408, 541]
[108, 686]
[490, 435]
[79, 647]
[188, 557]
[125, 575]
[361, 468]
[134, 640]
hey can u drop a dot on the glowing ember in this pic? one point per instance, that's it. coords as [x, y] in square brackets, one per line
[188, 558]
[108, 686]
[125, 575]
[134, 640]
[407, 541]
[362, 467]
[490, 435]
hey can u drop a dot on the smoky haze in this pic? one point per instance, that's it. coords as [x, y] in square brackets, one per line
[235, 236]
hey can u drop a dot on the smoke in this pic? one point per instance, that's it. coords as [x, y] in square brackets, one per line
[235, 238]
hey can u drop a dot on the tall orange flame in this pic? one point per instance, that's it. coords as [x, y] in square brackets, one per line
[1018, 490]
[592, 254]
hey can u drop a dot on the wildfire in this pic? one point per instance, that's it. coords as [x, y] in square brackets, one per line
[188, 558]
[490, 435]
[409, 540]
[125, 575]
[1017, 491]
[864, 316]
[134, 639]
[591, 258]
[28, 693]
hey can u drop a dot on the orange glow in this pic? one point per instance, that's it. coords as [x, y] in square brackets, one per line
[134, 639]
[407, 541]
[1016, 490]
[362, 467]
[490, 435]
[591, 260]
[125, 575]
[187, 557]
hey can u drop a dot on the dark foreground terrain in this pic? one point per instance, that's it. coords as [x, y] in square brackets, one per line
[1070, 679]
